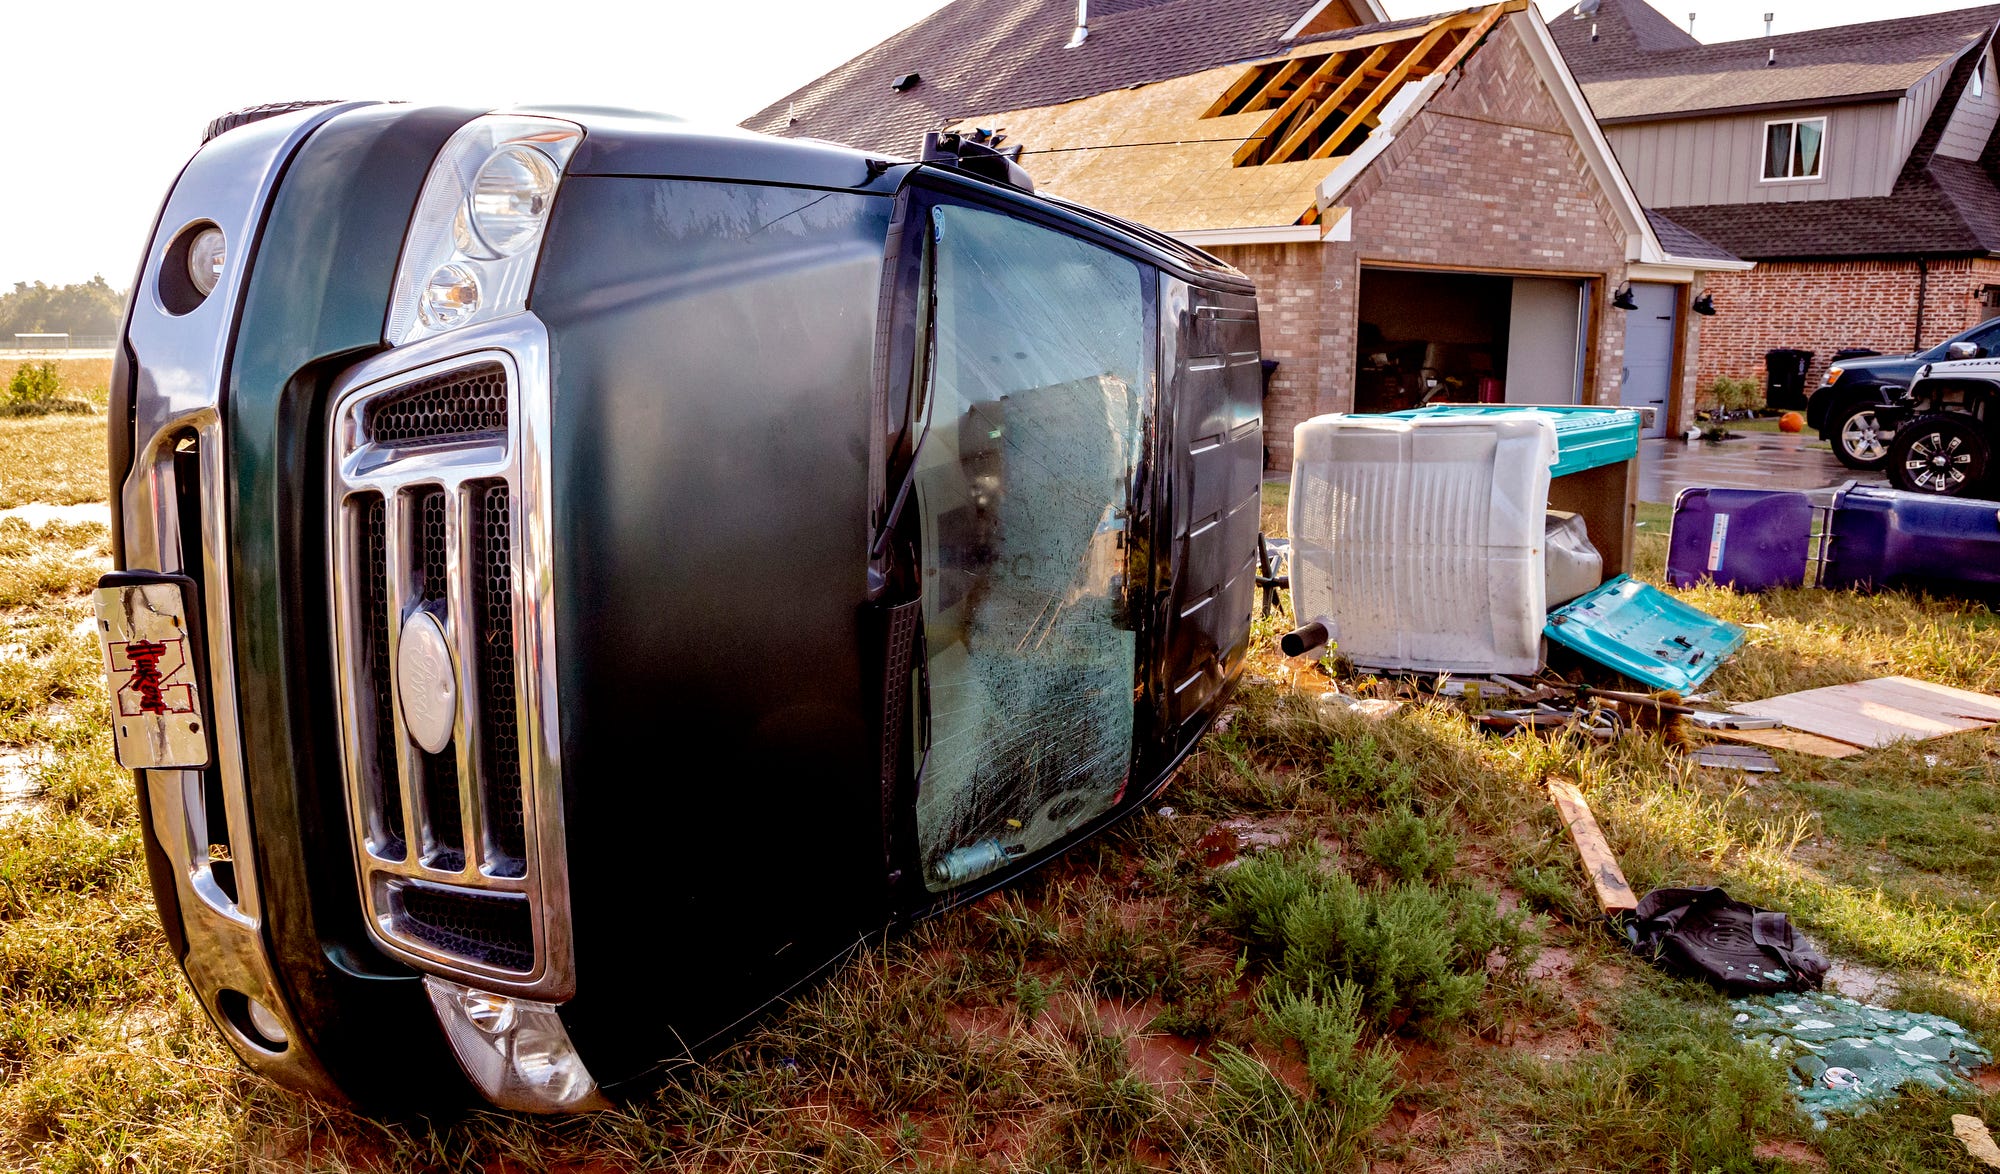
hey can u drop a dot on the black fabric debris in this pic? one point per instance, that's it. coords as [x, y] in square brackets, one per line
[1702, 933]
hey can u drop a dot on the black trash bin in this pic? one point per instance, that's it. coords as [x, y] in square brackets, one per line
[1785, 385]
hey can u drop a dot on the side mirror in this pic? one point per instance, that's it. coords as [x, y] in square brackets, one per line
[1965, 350]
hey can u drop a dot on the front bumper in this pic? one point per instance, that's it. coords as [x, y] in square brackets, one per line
[235, 851]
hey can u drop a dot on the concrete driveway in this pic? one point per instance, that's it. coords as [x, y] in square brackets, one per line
[1760, 460]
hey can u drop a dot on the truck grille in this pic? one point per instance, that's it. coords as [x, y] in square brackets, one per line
[460, 847]
[453, 406]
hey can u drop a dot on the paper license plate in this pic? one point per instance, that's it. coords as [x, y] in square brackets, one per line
[157, 718]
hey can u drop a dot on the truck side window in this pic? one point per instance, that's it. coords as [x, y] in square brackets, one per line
[1037, 391]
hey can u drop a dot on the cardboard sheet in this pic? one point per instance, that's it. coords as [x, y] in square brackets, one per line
[1877, 713]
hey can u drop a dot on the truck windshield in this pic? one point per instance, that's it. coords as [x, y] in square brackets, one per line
[1036, 394]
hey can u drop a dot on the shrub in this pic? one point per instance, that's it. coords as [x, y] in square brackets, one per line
[36, 390]
[1410, 846]
[1736, 395]
[1414, 949]
[1352, 1081]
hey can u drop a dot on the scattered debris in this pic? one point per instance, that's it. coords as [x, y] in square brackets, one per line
[1747, 759]
[1614, 896]
[1709, 719]
[1847, 1055]
[1794, 741]
[1701, 932]
[1645, 634]
[1222, 845]
[1976, 1138]
[1877, 713]
[1365, 706]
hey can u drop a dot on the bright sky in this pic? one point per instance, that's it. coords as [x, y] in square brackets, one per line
[109, 100]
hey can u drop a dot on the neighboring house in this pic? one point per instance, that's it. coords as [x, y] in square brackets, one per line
[1856, 165]
[1427, 205]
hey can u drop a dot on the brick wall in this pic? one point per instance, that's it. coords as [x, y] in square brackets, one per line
[1824, 307]
[1487, 178]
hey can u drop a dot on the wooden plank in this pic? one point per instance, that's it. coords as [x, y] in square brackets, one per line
[1255, 143]
[1470, 41]
[1383, 89]
[1880, 712]
[1613, 894]
[1792, 740]
[1325, 109]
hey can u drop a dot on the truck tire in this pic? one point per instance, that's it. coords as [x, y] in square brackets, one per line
[1946, 453]
[250, 114]
[1855, 431]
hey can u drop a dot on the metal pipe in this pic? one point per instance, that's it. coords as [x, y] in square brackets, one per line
[1082, 24]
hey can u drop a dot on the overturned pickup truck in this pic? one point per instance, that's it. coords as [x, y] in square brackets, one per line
[561, 608]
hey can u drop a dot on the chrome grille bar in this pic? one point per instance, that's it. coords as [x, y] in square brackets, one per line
[479, 890]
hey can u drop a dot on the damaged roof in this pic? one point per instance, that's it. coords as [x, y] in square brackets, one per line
[1642, 67]
[1939, 207]
[977, 56]
[1243, 145]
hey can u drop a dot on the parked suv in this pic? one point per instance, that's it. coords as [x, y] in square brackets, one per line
[578, 574]
[1845, 408]
[1946, 426]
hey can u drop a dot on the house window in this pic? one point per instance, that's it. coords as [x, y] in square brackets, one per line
[1794, 150]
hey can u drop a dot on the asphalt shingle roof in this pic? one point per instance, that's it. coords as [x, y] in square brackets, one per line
[982, 56]
[1641, 66]
[1680, 241]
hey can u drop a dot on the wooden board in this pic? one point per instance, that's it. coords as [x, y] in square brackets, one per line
[1881, 712]
[1792, 740]
[1613, 894]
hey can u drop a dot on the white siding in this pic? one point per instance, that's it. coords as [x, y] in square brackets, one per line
[1972, 122]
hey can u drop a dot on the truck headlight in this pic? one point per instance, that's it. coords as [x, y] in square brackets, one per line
[510, 197]
[470, 253]
[1833, 375]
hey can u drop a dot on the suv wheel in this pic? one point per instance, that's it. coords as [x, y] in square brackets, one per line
[1856, 433]
[1946, 454]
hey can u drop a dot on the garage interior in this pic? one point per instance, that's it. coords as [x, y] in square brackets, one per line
[1429, 337]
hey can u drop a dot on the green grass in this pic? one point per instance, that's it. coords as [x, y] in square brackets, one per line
[1417, 977]
[59, 460]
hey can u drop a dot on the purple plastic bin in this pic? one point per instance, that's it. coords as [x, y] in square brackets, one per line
[1885, 538]
[1748, 539]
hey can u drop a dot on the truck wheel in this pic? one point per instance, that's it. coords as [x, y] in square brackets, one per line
[250, 114]
[1946, 454]
[1856, 433]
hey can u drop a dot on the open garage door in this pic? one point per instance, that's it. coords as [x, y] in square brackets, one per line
[1429, 337]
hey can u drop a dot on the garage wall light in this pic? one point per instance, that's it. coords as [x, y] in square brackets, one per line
[1704, 305]
[1624, 300]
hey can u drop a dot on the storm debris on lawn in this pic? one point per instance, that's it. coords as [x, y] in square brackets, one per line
[1847, 1056]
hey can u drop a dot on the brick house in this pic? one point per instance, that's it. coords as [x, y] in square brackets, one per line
[1857, 165]
[1427, 206]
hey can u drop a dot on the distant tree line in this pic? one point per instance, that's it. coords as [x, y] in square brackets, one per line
[91, 307]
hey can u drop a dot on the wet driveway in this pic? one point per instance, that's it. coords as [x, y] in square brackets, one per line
[1757, 461]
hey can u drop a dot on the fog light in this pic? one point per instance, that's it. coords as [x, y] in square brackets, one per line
[267, 1024]
[450, 297]
[515, 1052]
[205, 257]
